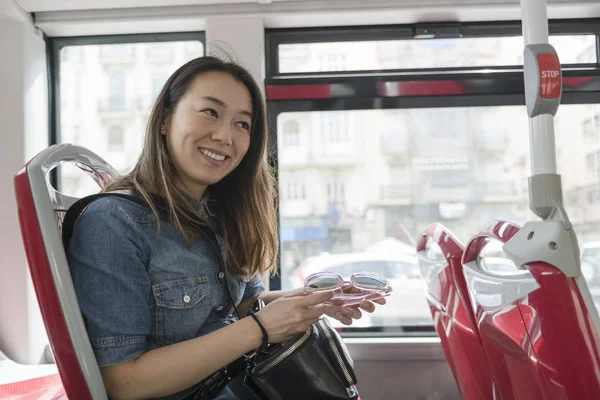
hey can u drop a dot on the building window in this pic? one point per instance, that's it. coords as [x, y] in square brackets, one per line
[592, 161]
[336, 191]
[116, 138]
[590, 126]
[335, 128]
[332, 62]
[116, 91]
[296, 191]
[291, 134]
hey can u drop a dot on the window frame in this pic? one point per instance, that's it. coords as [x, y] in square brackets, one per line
[55, 44]
[441, 30]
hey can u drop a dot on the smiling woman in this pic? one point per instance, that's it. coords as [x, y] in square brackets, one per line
[169, 322]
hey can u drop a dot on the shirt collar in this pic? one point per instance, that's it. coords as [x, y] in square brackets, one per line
[206, 204]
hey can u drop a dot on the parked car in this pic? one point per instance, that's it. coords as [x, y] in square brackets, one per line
[406, 305]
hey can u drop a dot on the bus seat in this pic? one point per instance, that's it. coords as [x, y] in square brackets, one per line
[439, 254]
[41, 210]
[24, 381]
[538, 335]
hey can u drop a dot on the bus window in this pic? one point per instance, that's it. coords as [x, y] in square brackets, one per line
[423, 54]
[106, 93]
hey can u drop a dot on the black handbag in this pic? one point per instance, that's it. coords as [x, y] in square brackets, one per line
[313, 365]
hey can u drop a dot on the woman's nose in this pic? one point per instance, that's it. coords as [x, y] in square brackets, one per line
[223, 135]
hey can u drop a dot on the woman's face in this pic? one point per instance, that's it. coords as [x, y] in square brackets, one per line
[208, 132]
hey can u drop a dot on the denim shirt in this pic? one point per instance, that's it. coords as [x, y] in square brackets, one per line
[138, 291]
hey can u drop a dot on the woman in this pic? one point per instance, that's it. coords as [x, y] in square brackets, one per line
[156, 306]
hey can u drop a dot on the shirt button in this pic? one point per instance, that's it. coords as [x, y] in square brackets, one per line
[219, 308]
[186, 299]
[221, 275]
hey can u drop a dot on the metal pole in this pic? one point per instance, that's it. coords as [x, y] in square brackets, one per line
[541, 127]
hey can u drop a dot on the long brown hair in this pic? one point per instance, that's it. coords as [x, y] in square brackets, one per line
[247, 194]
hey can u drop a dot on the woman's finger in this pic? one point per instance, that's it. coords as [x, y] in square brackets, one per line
[380, 300]
[297, 292]
[350, 312]
[367, 306]
[315, 312]
[343, 319]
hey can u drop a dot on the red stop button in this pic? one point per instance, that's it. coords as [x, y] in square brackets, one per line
[549, 75]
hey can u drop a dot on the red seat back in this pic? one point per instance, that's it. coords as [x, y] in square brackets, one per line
[440, 256]
[535, 327]
[41, 209]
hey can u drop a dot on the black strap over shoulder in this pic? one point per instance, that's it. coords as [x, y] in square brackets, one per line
[75, 211]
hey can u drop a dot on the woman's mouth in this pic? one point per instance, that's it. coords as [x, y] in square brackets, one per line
[213, 157]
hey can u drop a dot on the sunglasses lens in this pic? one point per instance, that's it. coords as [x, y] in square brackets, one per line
[369, 281]
[322, 282]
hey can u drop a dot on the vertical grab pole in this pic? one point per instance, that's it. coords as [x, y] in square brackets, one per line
[543, 89]
[552, 239]
[541, 127]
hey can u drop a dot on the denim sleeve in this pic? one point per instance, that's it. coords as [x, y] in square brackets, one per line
[253, 288]
[106, 257]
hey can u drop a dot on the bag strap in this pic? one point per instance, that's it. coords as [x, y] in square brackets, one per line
[75, 211]
[212, 238]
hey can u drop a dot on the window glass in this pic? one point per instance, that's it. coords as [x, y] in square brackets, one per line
[493, 259]
[390, 193]
[424, 53]
[116, 139]
[291, 134]
[106, 94]
[116, 91]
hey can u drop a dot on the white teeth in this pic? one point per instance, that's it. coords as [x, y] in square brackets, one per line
[212, 155]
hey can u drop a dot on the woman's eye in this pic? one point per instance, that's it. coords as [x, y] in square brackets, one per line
[210, 112]
[244, 125]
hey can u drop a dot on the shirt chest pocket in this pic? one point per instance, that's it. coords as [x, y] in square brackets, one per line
[182, 306]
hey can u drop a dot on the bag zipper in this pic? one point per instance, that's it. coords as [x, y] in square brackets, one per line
[336, 352]
[268, 365]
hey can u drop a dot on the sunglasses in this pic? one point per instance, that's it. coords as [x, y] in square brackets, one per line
[363, 286]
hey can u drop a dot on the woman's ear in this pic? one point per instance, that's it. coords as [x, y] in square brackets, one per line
[164, 128]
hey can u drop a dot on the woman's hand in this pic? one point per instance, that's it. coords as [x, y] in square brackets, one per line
[346, 314]
[290, 315]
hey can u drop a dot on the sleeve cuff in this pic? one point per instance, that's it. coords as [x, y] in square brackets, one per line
[118, 349]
